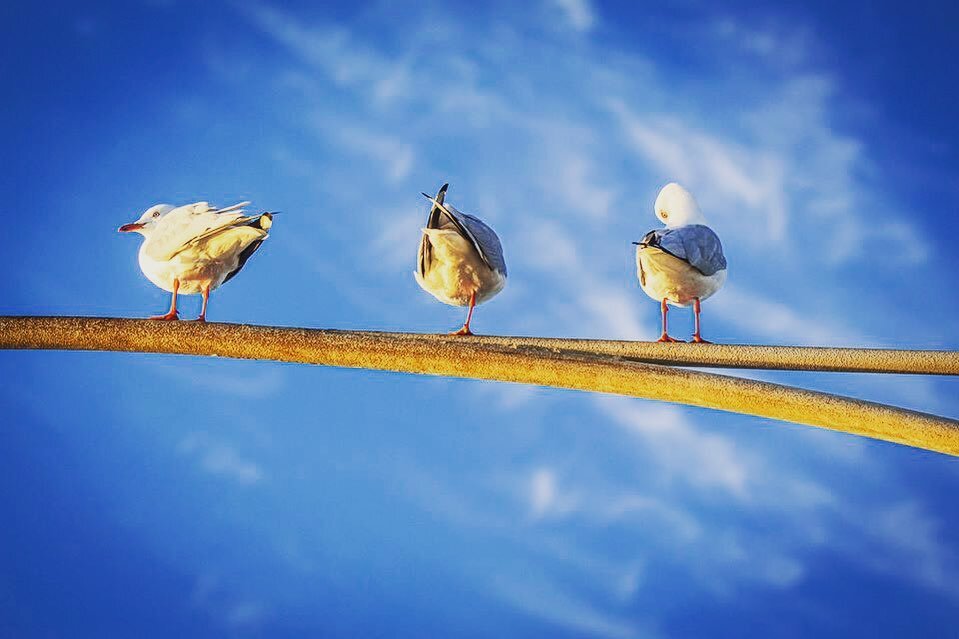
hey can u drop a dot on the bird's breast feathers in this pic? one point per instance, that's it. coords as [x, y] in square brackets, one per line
[207, 262]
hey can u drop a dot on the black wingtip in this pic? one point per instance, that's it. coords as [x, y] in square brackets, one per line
[637, 243]
[428, 197]
[441, 194]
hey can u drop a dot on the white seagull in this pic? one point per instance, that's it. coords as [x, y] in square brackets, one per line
[196, 247]
[460, 260]
[683, 263]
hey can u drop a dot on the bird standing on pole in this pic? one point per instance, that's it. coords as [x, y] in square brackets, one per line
[196, 247]
[682, 264]
[460, 260]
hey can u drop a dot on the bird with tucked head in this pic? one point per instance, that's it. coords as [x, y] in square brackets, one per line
[682, 264]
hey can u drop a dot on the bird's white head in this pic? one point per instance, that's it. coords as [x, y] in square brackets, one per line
[148, 220]
[676, 206]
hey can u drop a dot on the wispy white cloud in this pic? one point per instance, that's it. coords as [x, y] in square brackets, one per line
[730, 176]
[398, 231]
[787, 46]
[681, 449]
[545, 497]
[220, 459]
[552, 498]
[547, 601]
[334, 50]
[573, 179]
[902, 537]
[578, 14]
[257, 384]
[775, 322]
[395, 157]
[246, 615]
[212, 595]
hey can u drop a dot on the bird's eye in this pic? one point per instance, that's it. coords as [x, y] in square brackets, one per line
[156, 214]
[663, 214]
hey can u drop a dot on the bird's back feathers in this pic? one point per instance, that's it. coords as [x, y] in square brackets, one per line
[696, 244]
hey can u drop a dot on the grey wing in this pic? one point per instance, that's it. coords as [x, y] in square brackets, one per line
[696, 244]
[484, 239]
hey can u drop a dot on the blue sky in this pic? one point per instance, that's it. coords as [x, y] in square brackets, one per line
[170, 496]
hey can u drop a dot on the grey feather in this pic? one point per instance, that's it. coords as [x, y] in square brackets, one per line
[483, 238]
[695, 244]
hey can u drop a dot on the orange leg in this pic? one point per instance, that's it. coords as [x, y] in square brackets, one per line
[172, 315]
[206, 298]
[665, 336]
[466, 327]
[697, 337]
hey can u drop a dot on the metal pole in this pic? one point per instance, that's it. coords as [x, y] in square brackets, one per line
[533, 361]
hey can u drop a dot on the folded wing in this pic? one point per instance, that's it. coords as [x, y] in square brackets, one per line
[483, 238]
[696, 244]
[192, 224]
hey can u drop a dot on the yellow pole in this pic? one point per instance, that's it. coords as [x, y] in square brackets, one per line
[789, 358]
[526, 361]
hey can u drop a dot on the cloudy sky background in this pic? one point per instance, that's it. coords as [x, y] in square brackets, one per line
[164, 496]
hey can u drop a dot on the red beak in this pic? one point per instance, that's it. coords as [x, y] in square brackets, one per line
[129, 228]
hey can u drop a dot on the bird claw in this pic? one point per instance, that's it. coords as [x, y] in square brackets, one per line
[699, 340]
[201, 318]
[169, 317]
[666, 338]
[463, 331]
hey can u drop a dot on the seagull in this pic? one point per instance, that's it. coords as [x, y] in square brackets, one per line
[683, 263]
[460, 260]
[196, 247]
